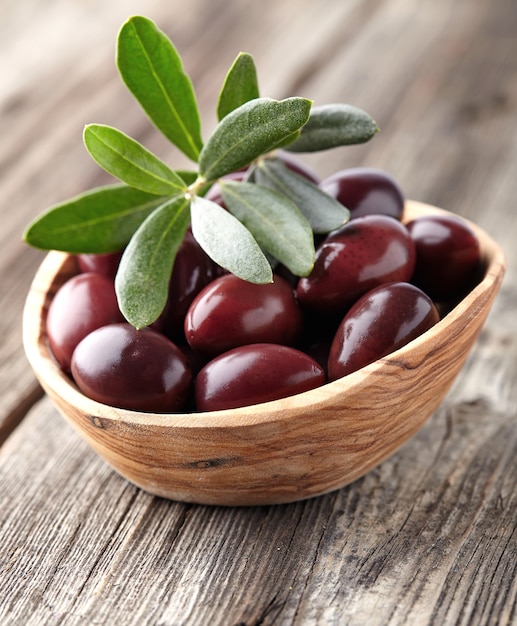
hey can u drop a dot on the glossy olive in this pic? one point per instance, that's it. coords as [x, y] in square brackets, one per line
[132, 369]
[380, 322]
[255, 373]
[84, 303]
[231, 312]
[366, 191]
[364, 253]
[448, 256]
[297, 165]
[193, 270]
[105, 264]
[214, 193]
[288, 159]
[318, 334]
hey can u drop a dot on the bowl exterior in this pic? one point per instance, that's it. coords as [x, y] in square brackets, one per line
[281, 451]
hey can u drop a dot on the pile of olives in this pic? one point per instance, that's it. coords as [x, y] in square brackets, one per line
[223, 343]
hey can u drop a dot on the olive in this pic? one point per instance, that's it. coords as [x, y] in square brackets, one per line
[132, 369]
[214, 193]
[362, 254]
[85, 302]
[383, 320]
[255, 373]
[366, 191]
[193, 270]
[105, 264]
[297, 165]
[448, 256]
[231, 312]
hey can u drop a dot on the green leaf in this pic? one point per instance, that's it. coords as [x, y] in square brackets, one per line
[323, 212]
[100, 220]
[129, 161]
[142, 281]
[240, 85]
[275, 222]
[153, 71]
[333, 125]
[252, 129]
[228, 242]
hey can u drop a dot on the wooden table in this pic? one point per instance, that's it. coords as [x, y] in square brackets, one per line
[430, 536]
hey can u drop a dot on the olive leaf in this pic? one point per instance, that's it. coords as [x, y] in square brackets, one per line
[323, 212]
[142, 280]
[98, 221]
[228, 242]
[275, 222]
[129, 161]
[254, 128]
[333, 125]
[153, 71]
[240, 85]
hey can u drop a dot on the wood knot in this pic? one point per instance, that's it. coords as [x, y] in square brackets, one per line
[96, 421]
[210, 463]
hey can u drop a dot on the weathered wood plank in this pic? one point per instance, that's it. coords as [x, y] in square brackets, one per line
[429, 537]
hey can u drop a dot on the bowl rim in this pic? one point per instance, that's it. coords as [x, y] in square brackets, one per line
[54, 380]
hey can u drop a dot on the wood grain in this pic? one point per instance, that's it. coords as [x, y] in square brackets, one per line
[428, 537]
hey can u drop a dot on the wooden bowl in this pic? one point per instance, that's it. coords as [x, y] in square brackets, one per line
[280, 451]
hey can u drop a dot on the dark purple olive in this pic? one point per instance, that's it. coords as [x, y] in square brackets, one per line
[84, 303]
[193, 270]
[318, 333]
[366, 191]
[383, 320]
[448, 256]
[364, 253]
[232, 312]
[105, 264]
[292, 162]
[214, 193]
[297, 165]
[140, 370]
[255, 373]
